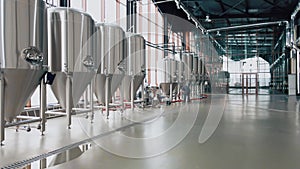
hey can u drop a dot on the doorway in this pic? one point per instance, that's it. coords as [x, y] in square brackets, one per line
[249, 83]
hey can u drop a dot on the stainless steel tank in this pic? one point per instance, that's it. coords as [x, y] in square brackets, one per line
[181, 71]
[22, 51]
[71, 51]
[171, 75]
[110, 47]
[187, 59]
[196, 65]
[135, 63]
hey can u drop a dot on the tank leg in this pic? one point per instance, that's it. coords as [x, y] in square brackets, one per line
[132, 92]
[107, 95]
[143, 97]
[2, 122]
[171, 92]
[92, 100]
[43, 106]
[68, 101]
[122, 97]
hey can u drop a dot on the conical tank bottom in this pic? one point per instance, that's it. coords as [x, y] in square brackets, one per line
[100, 87]
[116, 82]
[138, 80]
[80, 81]
[19, 86]
[100, 81]
[126, 83]
[165, 87]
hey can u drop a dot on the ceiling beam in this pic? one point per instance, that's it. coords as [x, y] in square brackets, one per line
[274, 4]
[233, 7]
[247, 9]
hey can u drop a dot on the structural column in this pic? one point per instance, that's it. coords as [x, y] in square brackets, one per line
[68, 100]
[2, 121]
[43, 104]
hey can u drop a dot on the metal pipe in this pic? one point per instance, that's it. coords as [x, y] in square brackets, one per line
[132, 92]
[92, 101]
[43, 104]
[293, 17]
[2, 100]
[68, 100]
[248, 26]
[122, 96]
[143, 95]
[171, 91]
[276, 61]
[85, 95]
[107, 95]
[297, 9]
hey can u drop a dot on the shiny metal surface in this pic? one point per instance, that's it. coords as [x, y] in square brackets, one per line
[200, 67]
[71, 51]
[136, 58]
[171, 70]
[187, 59]
[135, 63]
[100, 79]
[80, 81]
[165, 87]
[22, 51]
[195, 65]
[70, 41]
[138, 80]
[180, 71]
[110, 47]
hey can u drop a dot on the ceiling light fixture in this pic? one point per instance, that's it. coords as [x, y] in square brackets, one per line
[207, 19]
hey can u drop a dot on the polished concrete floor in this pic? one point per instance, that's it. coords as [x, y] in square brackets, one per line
[254, 132]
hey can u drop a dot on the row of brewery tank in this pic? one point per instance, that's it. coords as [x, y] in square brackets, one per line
[36, 39]
[188, 70]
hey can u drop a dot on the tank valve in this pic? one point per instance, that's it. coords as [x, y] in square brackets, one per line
[32, 55]
[88, 62]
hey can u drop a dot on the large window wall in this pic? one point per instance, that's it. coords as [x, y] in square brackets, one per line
[149, 24]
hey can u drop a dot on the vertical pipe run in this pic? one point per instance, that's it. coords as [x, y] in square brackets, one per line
[68, 100]
[107, 95]
[43, 104]
[143, 96]
[131, 15]
[2, 122]
[132, 92]
[166, 37]
[85, 95]
[122, 96]
[92, 100]
[171, 91]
